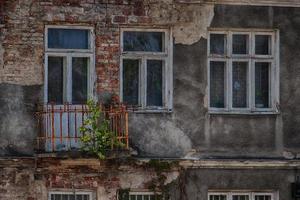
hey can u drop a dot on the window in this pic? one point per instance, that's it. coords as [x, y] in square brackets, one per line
[144, 196]
[70, 196]
[242, 196]
[69, 63]
[243, 75]
[146, 69]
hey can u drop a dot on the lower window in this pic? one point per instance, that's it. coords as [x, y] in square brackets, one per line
[241, 196]
[70, 196]
[145, 196]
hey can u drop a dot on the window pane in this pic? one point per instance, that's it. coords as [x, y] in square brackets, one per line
[132, 197]
[262, 85]
[57, 197]
[154, 82]
[239, 84]
[79, 80]
[240, 44]
[130, 81]
[263, 45]
[240, 197]
[139, 197]
[68, 38]
[79, 197]
[72, 197]
[217, 44]
[263, 197]
[217, 84]
[143, 41]
[55, 79]
[65, 197]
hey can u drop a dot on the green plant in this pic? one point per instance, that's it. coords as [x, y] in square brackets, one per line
[96, 136]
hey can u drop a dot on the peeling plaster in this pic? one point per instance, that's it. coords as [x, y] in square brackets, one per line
[189, 22]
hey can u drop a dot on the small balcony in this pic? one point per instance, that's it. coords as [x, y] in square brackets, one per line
[59, 126]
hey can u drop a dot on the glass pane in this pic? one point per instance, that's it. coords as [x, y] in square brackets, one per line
[72, 197]
[55, 79]
[217, 44]
[68, 38]
[57, 197]
[223, 197]
[85, 197]
[240, 44]
[65, 197]
[217, 84]
[152, 197]
[263, 197]
[52, 197]
[143, 41]
[132, 197]
[131, 81]
[139, 197]
[239, 84]
[263, 45]
[79, 80]
[154, 82]
[240, 197]
[146, 197]
[79, 197]
[261, 85]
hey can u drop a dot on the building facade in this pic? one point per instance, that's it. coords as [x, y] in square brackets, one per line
[210, 88]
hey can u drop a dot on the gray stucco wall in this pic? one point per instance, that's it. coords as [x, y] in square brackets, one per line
[191, 127]
[17, 119]
[196, 183]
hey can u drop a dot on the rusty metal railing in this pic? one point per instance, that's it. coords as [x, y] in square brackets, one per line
[59, 125]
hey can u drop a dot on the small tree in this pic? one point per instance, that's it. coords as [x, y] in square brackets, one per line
[96, 136]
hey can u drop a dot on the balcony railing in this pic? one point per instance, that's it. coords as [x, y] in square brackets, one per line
[59, 126]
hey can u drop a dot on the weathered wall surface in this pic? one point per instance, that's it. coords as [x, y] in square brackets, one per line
[227, 135]
[28, 179]
[189, 127]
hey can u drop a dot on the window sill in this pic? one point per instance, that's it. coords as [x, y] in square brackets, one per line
[215, 112]
[146, 111]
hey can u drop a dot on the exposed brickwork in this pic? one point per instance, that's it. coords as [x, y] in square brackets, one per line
[22, 37]
[31, 179]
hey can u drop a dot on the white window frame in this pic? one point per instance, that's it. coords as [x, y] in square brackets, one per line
[229, 194]
[144, 193]
[251, 58]
[167, 75]
[75, 192]
[68, 54]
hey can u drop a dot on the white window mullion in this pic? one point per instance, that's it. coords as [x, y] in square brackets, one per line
[46, 79]
[227, 84]
[229, 87]
[143, 83]
[69, 79]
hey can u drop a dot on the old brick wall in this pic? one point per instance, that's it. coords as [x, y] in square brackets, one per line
[30, 179]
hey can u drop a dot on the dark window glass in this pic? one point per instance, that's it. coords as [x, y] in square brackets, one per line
[239, 84]
[132, 197]
[262, 44]
[55, 79]
[79, 197]
[240, 197]
[217, 84]
[154, 82]
[262, 85]
[217, 44]
[68, 38]
[139, 197]
[72, 197]
[143, 41]
[65, 197]
[130, 81]
[57, 197]
[240, 44]
[262, 197]
[79, 80]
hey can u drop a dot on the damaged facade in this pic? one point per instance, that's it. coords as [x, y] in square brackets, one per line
[212, 87]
